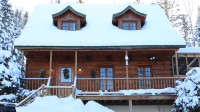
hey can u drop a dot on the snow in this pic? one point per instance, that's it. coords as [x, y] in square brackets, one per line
[136, 91]
[189, 50]
[187, 90]
[55, 104]
[99, 30]
[8, 97]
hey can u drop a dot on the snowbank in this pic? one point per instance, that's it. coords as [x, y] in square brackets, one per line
[55, 104]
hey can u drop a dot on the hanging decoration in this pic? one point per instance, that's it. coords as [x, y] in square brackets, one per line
[93, 73]
[42, 73]
[66, 73]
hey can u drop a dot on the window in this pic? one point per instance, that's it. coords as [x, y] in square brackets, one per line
[106, 73]
[129, 26]
[144, 72]
[68, 26]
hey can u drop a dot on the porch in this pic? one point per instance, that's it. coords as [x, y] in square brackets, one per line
[116, 70]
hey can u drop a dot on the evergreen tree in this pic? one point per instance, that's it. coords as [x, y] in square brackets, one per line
[198, 28]
[10, 68]
[188, 92]
[185, 29]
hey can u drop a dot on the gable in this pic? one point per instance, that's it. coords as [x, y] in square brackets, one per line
[129, 13]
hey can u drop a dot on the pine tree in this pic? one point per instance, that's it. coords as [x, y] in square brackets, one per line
[188, 92]
[185, 29]
[198, 27]
[10, 74]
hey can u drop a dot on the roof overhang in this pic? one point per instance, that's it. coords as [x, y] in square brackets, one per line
[101, 47]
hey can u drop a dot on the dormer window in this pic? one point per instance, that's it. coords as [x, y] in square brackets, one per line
[129, 19]
[129, 25]
[69, 26]
[69, 19]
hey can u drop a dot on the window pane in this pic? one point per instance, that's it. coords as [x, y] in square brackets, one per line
[132, 26]
[65, 26]
[125, 26]
[72, 26]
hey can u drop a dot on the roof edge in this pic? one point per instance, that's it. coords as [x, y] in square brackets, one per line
[127, 8]
[68, 8]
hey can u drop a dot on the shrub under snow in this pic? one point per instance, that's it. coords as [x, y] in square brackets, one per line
[188, 92]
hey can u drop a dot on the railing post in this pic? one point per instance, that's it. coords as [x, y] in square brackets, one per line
[43, 89]
[73, 92]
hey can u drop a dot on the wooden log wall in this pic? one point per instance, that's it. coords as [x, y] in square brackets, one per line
[88, 60]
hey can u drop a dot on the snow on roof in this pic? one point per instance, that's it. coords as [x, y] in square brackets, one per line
[189, 50]
[99, 30]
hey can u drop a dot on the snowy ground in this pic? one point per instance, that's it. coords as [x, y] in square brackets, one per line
[55, 104]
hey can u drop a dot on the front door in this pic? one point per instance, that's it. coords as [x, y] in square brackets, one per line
[65, 76]
[107, 82]
[144, 72]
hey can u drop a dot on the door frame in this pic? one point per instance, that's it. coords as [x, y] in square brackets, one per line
[58, 75]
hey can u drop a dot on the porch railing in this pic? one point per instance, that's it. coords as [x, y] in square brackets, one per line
[35, 83]
[116, 84]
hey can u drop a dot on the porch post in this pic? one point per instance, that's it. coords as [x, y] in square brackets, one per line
[177, 71]
[22, 63]
[199, 62]
[186, 59]
[126, 59]
[130, 106]
[75, 68]
[50, 63]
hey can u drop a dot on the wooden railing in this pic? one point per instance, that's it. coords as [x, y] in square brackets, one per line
[60, 91]
[34, 83]
[116, 84]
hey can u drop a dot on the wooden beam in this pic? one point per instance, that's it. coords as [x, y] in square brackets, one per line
[126, 56]
[192, 62]
[22, 63]
[186, 59]
[177, 71]
[199, 62]
[173, 66]
[127, 97]
[75, 67]
[130, 106]
[50, 63]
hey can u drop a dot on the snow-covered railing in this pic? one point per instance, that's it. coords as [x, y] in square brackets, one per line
[34, 83]
[117, 84]
[49, 81]
[60, 91]
[31, 97]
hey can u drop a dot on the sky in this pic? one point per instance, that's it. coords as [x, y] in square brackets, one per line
[29, 5]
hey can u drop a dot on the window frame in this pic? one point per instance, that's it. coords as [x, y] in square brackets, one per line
[144, 66]
[68, 28]
[129, 24]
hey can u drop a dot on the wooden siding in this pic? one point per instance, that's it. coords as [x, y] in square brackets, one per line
[68, 16]
[37, 60]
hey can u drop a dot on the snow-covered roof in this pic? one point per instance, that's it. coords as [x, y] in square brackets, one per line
[99, 30]
[189, 50]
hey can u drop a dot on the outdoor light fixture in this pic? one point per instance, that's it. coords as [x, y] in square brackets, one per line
[80, 69]
[51, 69]
[153, 57]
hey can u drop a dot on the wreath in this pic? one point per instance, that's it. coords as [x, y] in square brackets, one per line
[66, 73]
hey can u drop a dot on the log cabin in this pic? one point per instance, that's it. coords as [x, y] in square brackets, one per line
[123, 56]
